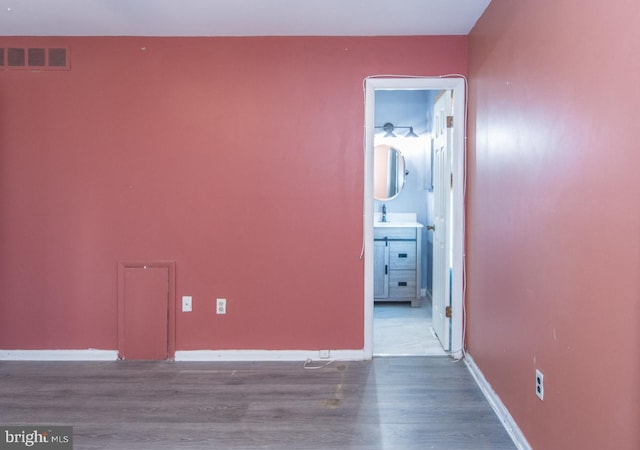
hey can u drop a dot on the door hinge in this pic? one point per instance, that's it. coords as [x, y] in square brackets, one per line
[447, 312]
[449, 121]
[451, 180]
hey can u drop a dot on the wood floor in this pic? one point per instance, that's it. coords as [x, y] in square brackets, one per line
[388, 403]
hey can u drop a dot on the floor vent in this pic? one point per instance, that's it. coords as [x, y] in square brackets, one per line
[53, 58]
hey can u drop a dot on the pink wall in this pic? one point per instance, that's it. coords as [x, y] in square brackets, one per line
[240, 159]
[553, 217]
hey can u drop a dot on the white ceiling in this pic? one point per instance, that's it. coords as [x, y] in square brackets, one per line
[238, 17]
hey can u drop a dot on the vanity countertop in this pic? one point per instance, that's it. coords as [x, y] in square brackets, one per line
[397, 225]
[397, 220]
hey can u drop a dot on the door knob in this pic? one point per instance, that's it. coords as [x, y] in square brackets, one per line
[431, 227]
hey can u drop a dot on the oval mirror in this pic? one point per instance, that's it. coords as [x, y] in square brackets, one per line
[388, 172]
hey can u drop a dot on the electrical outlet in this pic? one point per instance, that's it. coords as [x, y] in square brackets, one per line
[325, 354]
[186, 303]
[221, 306]
[539, 384]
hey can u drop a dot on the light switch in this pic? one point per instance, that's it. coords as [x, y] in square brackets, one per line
[186, 303]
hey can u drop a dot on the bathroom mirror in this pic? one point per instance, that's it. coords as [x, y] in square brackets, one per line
[388, 172]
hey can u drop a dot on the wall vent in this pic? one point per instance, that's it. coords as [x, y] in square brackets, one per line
[37, 58]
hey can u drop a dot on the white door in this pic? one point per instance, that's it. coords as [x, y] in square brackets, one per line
[441, 291]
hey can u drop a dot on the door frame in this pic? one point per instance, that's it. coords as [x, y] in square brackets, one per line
[458, 85]
[171, 313]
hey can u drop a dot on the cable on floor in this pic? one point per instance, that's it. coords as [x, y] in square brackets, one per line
[309, 361]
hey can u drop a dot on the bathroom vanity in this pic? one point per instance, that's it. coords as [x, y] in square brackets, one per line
[397, 257]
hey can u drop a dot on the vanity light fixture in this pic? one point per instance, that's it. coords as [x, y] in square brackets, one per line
[388, 128]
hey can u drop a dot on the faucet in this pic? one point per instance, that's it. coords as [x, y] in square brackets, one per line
[384, 213]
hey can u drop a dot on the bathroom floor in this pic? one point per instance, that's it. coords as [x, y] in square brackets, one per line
[399, 329]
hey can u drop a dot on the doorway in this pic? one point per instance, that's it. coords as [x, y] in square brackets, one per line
[456, 86]
[146, 310]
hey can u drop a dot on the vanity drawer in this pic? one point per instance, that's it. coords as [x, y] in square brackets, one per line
[402, 283]
[394, 233]
[402, 255]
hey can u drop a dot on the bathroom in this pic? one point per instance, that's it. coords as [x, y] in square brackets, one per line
[404, 121]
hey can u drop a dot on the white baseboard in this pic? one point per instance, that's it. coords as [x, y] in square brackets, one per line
[187, 355]
[59, 355]
[498, 407]
[268, 355]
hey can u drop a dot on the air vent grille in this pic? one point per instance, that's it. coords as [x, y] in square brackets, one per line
[15, 57]
[34, 58]
[58, 57]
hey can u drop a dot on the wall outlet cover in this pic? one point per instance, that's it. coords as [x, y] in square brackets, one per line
[539, 384]
[221, 306]
[187, 303]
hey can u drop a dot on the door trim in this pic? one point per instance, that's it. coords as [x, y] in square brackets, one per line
[171, 301]
[458, 85]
